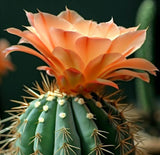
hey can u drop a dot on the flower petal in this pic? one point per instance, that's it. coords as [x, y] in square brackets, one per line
[100, 63]
[48, 70]
[86, 27]
[127, 75]
[134, 63]
[126, 30]
[28, 50]
[33, 40]
[74, 77]
[90, 48]
[25, 49]
[70, 15]
[108, 30]
[43, 22]
[50, 21]
[65, 39]
[127, 41]
[63, 83]
[69, 58]
[30, 17]
[105, 82]
[41, 26]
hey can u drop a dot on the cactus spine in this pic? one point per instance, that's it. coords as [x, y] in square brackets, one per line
[61, 124]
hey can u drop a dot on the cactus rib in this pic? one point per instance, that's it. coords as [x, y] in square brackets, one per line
[59, 124]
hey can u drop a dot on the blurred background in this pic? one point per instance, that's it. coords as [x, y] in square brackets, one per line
[124, 13]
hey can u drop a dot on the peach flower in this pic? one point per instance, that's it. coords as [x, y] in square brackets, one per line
[82, 54]
[4, 63]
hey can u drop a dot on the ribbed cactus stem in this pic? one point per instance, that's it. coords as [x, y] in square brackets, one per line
[55, 123]
[66, 136]
[146, 19]
[26, 131]
[59, 124]
[42, 141]
[85, 125]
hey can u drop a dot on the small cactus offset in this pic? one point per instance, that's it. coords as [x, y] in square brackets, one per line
[56, 123]
[73, 116]
[146, 18]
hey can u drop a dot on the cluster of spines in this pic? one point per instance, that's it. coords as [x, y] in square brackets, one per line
[124, 143]
[123, 117]
[21, 123]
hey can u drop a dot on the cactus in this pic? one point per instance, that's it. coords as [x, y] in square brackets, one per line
[56, 123]
[146, 18]
[74, 115]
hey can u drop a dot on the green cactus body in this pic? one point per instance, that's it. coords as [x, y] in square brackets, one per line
[59, 124]
[146, 18]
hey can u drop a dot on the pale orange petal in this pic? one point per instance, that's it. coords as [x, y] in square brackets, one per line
[41, 27]
[56, 64]
[133, 63]
[30, 17]
[28, 50]
[127, 75]
[105, 82]
[90, 48]
[62, 83]
[86, 27]
[65, 39]
[32, 31]
[25, 49]
[139, 63]
[43, 22]
[68, 58]
[45, 39]
[49, 70]
[126, 30]
[74, 77]
[50, 21]
[100, 63]
[127, 41]
[70, 15]
[33, 40]
[108, 30]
